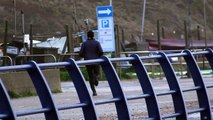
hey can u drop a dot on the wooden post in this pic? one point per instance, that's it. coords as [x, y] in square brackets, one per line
[163, 32]
[186, 36]
[187, 44]
[5, 39]
[158, 34]
[71, 40]
[68, 39]
[116, 44]
[159, 41]
[31, 39]
[198, 32]
[116, 40]
[123, 35]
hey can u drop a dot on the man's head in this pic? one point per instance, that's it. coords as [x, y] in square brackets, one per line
[90, 34]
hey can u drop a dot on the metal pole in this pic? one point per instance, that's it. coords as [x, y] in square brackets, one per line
[110, 2]
[14, 6]
[205, 37]
[189, 23]
[204, 12]
[143, 18]
[23, 32]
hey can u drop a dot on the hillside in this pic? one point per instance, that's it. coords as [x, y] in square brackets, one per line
[50, 17]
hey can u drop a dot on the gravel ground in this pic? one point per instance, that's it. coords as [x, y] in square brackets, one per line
[137, 108]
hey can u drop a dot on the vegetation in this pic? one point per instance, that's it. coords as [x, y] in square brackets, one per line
[18, 95]
[26, 94]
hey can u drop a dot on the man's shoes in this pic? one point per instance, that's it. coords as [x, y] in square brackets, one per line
[94, 94]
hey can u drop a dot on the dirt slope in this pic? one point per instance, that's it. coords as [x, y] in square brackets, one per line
[49, 17]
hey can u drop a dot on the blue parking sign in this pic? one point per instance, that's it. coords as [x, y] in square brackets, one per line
[106, 28]
[105, 23]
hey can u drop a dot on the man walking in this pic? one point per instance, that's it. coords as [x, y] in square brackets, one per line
[91, 49]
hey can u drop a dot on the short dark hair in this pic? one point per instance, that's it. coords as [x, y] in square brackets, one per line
[90, 34]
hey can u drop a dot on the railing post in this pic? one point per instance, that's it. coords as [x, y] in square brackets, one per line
[43, 91]
[146, 85]
[173, 83]
[82, 90]
[203, 98]
[5, 105]
[115, 86]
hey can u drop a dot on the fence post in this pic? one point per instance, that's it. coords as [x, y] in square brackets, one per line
[146, 85]
[5, 39]
[43, 91]
[5, 105]
[67, 43]
[186, 35]
[163, 32]
[158, 35]
[5, 42]
[173, 83]
[117, 92]
[31, 39]
[82, 90]
[198, 32]
[203, 98]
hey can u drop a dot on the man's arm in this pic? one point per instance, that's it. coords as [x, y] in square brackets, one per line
[81, 53]
[100, 50]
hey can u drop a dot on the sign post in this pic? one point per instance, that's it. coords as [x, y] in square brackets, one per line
[106, 28]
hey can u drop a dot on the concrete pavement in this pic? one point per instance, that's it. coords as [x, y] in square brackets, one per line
[108, 112]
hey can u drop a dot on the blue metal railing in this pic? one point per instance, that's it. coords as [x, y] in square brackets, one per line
[88, 104]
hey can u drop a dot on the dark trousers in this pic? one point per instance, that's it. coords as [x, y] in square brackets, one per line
[93, 72]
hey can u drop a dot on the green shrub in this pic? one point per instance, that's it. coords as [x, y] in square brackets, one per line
[19, 95]
[64, 76]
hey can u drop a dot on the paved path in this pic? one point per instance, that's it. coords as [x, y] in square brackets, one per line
[108, 112]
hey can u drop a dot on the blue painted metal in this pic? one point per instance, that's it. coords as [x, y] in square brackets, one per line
[202, 94]
[82, 90]
[146, 85]
[6, 110]
[88, 105]
[43, 91]
[173, 83]
[117, 92]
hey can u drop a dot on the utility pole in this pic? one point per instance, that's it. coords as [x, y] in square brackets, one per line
[143, 18]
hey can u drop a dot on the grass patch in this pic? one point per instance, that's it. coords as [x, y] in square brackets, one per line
[27, 94]
[20, 95]
[64, 76]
